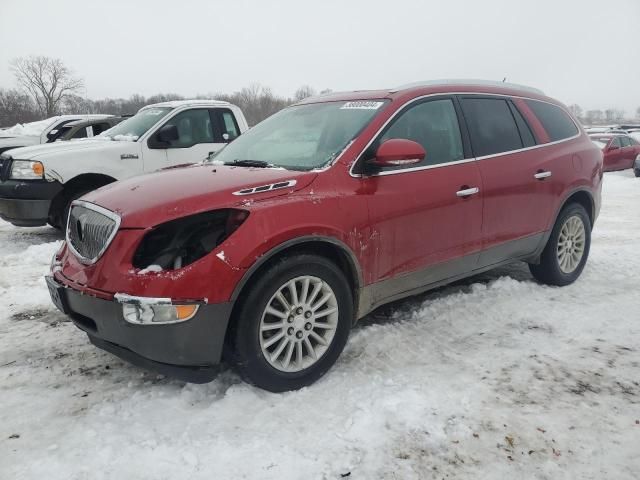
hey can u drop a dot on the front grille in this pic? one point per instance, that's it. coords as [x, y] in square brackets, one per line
[5, 167]
[90, 230]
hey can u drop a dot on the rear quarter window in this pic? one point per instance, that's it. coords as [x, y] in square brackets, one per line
[555, 121]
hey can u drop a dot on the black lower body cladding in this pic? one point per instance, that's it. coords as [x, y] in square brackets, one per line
[189, 350]
[27, 203]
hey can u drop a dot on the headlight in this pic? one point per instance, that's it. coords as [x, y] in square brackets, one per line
[149, 311]
[27, 170]
[180, 242]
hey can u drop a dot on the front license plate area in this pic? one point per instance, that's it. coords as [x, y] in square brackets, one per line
[58, 295]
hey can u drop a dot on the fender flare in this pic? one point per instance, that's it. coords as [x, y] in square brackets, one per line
[535, 257]
[264, 258]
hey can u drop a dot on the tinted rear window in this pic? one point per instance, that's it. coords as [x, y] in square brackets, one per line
[554, 120]
[491, 126]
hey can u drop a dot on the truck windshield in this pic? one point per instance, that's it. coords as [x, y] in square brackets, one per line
[301, 137]
[133, 128]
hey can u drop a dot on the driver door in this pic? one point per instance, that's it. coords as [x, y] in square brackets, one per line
[427, 218]
[195, 141]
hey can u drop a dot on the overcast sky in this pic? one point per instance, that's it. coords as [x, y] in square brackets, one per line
[579, 51]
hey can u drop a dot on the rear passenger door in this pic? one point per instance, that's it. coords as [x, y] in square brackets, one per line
[518, 180]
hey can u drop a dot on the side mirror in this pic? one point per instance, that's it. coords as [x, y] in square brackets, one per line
[51, 136]
[167, 134]
[398, 152]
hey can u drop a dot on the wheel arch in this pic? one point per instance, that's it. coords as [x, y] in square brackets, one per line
[84, 180]
[581, 196]
[328, 247]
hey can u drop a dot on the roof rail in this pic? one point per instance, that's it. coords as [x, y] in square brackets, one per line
[468, 81]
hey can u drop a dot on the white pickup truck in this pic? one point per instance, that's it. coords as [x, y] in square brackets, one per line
[38, 183]
[42, 131]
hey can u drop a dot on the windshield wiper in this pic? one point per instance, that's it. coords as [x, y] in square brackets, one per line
[250, 163]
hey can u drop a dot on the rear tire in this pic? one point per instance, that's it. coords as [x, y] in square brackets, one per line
[636, 166]
[567, 249]
[281, 345]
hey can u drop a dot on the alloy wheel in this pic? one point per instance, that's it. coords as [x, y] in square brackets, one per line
[571, 244]
[298, 324]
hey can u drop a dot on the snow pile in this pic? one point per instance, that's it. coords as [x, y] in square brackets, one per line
[495, 377]
[150, 269]
[33, 129]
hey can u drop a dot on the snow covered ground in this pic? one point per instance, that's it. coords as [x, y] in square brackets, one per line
[495, 377]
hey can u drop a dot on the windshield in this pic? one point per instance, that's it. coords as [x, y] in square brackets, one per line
[133, 128]
[302, 137]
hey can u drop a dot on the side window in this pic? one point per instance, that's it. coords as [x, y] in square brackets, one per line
[523, 127]
[555, 121]
[80, 133]
[229, 125]
[616, 142]
[491, 125]
[434, 125]
[625, 141]
[194, 127]
[98, 128]
[633, 141]
[58, 131]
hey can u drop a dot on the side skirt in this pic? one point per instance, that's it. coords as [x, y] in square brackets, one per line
[376, 294]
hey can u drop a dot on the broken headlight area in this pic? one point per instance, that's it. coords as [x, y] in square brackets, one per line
[180, 242]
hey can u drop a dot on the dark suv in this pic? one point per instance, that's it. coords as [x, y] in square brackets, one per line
[273, 249]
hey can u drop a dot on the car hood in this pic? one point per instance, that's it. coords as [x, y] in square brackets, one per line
[37, 152]
[159, 197]
[11, 141]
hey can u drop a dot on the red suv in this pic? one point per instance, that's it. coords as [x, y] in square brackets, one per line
[274, 248]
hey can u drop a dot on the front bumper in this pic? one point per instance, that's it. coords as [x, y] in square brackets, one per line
[27, 203]
[188, 350]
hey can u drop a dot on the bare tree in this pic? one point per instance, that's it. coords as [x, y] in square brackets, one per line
[304, 92]
[594, 117]
[47, 80]
[16, 107]
[576, 110]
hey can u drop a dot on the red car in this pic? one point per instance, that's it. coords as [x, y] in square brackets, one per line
[272, 250]
[620, 151]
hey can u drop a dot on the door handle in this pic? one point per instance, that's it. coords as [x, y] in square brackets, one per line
[541, 175]
[467, 192]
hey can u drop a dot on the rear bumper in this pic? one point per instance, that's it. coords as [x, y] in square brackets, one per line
[189, 350]
[27, 203]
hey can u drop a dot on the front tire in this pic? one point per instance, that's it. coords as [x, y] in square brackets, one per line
[567, 249]
[292, 324]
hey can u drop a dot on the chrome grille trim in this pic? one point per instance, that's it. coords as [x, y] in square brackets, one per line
[101, 232]
[266, 188]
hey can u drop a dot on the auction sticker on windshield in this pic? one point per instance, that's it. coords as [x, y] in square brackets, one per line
[362, 105]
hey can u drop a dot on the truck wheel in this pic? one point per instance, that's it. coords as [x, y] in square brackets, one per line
[567, 249]
[293, 323]
[74, 195]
